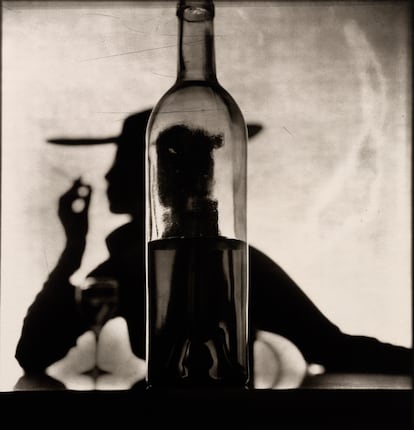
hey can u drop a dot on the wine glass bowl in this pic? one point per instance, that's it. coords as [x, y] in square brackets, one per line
[97, 299]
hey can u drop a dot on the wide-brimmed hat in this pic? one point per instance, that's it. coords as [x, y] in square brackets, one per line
[134, 125]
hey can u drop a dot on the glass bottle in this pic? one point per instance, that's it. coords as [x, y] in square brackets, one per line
[197, 280]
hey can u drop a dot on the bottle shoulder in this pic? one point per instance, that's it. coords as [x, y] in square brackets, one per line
[202, 87]
[194, 94]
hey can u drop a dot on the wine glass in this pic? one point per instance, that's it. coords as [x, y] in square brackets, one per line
[97, 300]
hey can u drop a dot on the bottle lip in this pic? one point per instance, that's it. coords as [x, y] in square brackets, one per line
[202, 5]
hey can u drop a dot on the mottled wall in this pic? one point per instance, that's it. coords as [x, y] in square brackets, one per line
[329, 175]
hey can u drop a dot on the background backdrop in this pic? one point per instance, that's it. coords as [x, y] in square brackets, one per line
[329, 175]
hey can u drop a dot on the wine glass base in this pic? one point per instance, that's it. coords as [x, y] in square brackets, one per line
[95, 373]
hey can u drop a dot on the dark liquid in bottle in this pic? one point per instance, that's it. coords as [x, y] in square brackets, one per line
[197, 318]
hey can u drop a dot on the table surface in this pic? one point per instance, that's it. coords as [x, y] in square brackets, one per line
[324, 381]
[365, 400]
[386, 404]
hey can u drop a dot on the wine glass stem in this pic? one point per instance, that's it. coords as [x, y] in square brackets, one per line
[96, 371]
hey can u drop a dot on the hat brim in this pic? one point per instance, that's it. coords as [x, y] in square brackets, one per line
[252, 130]
[83, 141]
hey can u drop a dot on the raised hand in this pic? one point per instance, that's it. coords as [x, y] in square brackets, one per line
[73, 211]
[73, 214]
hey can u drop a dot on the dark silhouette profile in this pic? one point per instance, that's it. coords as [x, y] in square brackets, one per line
[53, 322]
[185, 175]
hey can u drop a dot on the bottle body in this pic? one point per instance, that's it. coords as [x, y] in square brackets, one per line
[197, 148]
[197, 313]
[197, 279]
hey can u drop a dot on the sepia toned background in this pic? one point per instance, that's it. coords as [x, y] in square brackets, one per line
[329, 175]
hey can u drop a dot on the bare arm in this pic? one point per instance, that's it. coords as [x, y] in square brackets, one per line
[280, 306]
[52, 323]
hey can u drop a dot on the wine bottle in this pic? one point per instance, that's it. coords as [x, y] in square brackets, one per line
[197, 280]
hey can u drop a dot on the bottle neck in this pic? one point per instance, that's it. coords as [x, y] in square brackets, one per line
[196, 58]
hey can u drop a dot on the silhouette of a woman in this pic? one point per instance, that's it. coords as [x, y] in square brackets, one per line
[53, 323]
